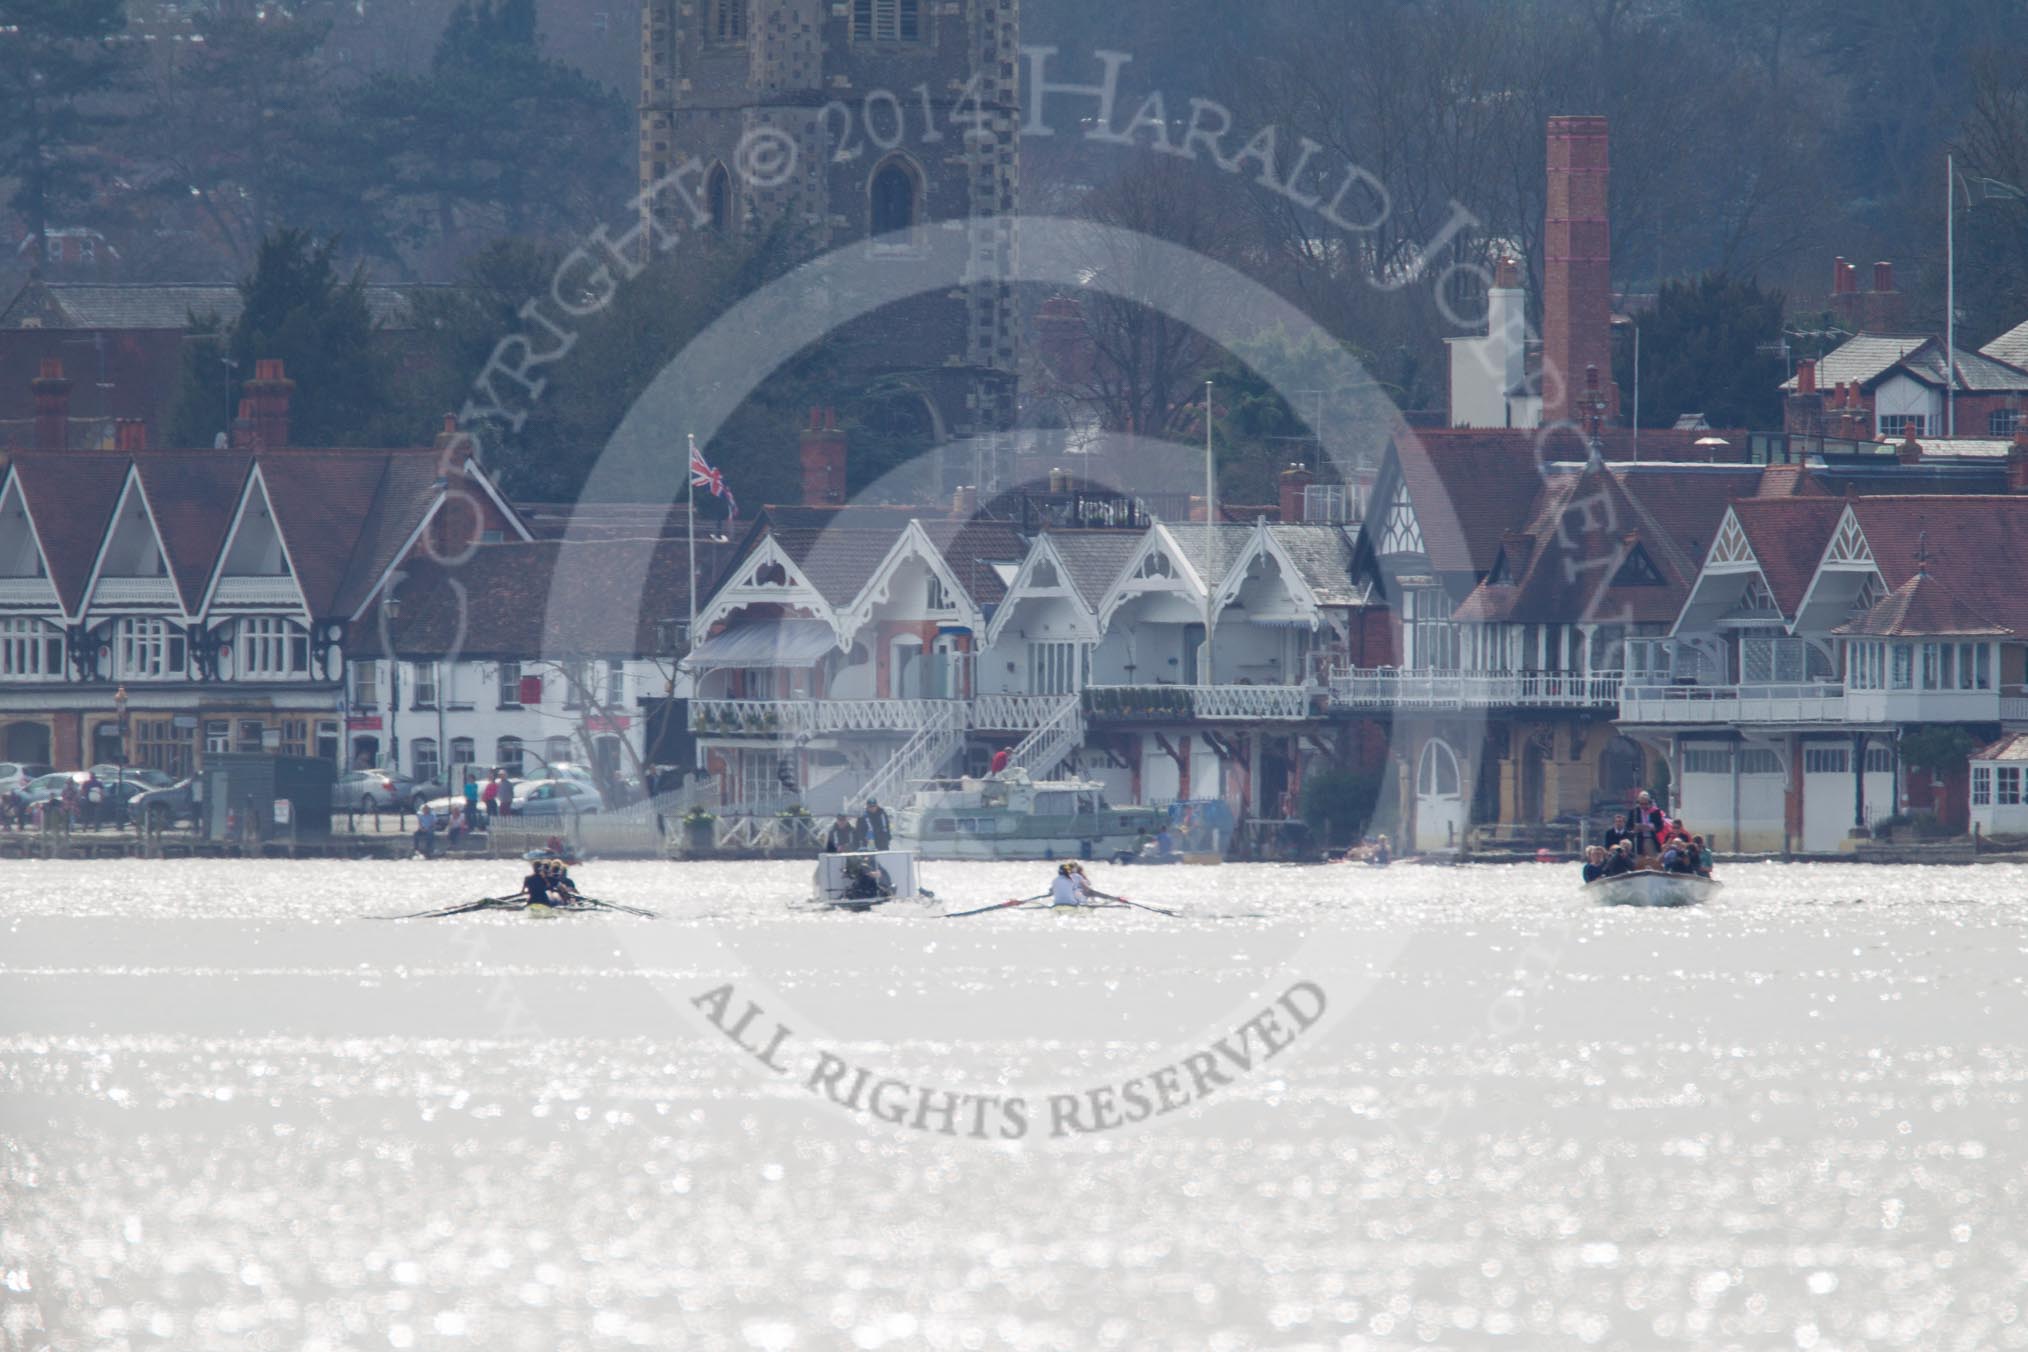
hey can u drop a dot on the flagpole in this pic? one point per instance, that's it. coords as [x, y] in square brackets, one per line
[690, 504]
[1950, 295]
[1207, 677]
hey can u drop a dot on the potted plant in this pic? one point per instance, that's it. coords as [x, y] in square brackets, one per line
[700, 832]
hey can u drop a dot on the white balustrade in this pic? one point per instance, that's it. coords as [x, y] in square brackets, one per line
[1808, 702]
[1156, 703]
[1413, 688]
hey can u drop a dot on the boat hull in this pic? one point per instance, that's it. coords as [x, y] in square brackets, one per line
[1652, 887]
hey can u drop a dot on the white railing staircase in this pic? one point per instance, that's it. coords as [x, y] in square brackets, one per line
[921, 756]
[1046, 748]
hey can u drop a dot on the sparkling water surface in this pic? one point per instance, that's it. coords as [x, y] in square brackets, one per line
[236, 1113]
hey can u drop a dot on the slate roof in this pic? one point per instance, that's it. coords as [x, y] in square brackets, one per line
[538, 598]
[96, 305]
[1095, 559]
[1924, 606]
[1323, 555]
[2010, 347]
[1866, 358]
[1227, 543]
[972, 548]
[840, 549]
[1788, 536]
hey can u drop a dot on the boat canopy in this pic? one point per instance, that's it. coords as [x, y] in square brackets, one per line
[775, 643]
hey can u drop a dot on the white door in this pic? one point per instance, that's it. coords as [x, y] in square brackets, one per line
[904, 679]
[1439, 799]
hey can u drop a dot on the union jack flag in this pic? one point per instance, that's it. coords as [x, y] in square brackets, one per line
[702, 475]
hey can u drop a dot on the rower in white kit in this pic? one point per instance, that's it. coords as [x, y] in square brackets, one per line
[1070, 887]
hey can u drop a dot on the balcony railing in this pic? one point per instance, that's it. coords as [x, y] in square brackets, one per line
[813, 717]
[1398, 688]
[1014, 713]
[1163, 703]
[1809, 702]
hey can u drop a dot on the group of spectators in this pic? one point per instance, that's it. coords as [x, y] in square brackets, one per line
[85, 802]
[1647, 837]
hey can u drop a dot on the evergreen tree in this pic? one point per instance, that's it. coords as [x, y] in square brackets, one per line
[54, 56]
[296, 307]
[1708, 348]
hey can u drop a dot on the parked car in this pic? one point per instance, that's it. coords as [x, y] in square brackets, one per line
[113, 795]
[164, 807]
[18, 775]
[145, 776]
[372, 791]
[556, 798]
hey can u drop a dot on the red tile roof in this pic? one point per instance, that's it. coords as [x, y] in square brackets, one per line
[1922, 606]
[1977, 546]
[1788, 536]
[70, 497]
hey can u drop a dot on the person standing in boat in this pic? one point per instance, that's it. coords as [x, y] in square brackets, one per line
[1615, 833]
[999, 765]
[874, 828]
[1068, 888]
[1648, 826]
[843, 838]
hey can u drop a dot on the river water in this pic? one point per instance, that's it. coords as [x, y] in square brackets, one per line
[1320, 1108]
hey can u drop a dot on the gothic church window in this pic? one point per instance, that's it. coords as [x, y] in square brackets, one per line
[887, 20]
[718, 198]
[728, 21]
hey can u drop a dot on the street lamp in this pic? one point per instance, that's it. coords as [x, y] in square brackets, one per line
[120, 786]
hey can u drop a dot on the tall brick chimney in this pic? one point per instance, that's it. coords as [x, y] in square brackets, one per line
[1576, 267]
[267, 397]
[1294, 480]
[52, 406]
[823, 453]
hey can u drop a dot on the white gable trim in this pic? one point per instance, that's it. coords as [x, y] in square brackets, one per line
[1263, 543]
[740, 591]
[254, 483]
[1182, 576]
[914, 542]
[1847, 553]
[1023, 588]
[10, 488]
[132, 487]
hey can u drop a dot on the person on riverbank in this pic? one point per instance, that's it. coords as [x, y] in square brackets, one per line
[489, 798]
[505, 797]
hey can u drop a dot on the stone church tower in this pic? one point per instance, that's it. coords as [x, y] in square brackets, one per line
[904, 117]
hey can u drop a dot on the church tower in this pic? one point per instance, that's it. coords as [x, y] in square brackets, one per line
[904, 117]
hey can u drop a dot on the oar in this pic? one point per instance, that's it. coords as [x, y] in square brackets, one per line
[482, 904]
[996, 906]
[614, 906]
[1094, 892]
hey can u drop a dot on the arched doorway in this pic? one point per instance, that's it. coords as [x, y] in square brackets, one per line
[893, 195]
[1439, 798]
[26, 743]
[1622, 771]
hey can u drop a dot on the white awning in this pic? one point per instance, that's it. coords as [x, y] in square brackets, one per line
[778, 643]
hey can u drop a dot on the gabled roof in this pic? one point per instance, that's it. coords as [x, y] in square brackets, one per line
[344, 516]
[2012, 746]
[1788, 536]
[148, 305]
[1322, 556]
[2010, 347]
[975, 551]
[70, 497]
[526, 599]
[1922, 606]
[1226, 543]
[1865, 359]
[1977, 546]
[1093, 559]
[194, 497]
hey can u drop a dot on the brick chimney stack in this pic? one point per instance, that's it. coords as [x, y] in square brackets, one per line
[242, 436]
[823, 453]
[1576, 267]
[267, 396]
[52, 406]
[130, 434]
[1294, 480]
[1806, 376]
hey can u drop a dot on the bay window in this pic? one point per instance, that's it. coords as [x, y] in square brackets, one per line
[148, 650]
[30, 650]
